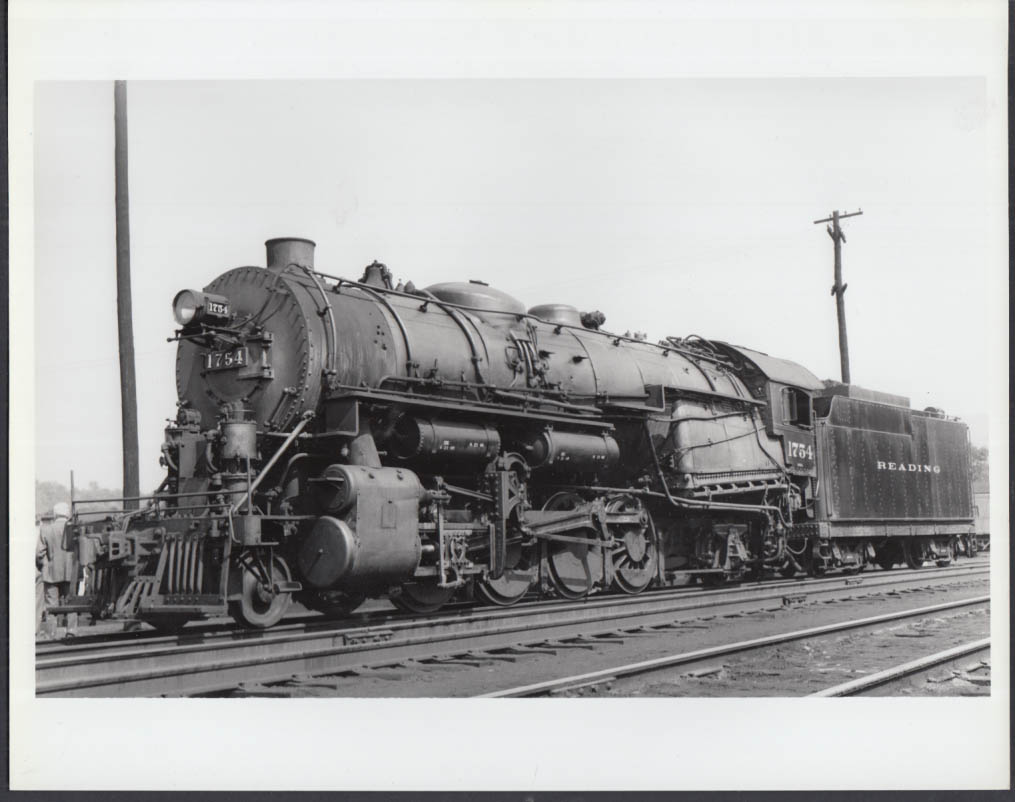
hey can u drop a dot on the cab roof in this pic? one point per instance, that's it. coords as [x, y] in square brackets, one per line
[776, 370]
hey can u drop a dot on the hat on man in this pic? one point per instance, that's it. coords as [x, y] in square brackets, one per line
[61, 509]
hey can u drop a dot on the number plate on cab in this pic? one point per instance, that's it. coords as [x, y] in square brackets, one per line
[799, 452]
[225, 360]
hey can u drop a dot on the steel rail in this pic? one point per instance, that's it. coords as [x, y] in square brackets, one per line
[221, 662]
[543, 688]
[304, 622]
[904, 670]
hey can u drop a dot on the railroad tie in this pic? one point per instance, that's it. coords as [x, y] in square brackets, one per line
[570, 644]
[257, 689]
[488, 656]
[523, 650]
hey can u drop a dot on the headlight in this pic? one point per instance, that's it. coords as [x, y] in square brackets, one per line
[185, 306]
[192, 306]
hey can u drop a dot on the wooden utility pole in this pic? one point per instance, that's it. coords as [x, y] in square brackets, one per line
[838, 288]
[124, 316]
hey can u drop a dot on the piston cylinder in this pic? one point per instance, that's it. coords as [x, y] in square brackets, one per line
[432, 440]
[572, 451]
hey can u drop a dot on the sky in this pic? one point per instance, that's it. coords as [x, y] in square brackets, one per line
[673, 206]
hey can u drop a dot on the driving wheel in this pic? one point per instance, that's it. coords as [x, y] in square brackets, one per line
[573, 566]
[636, 559]
[520, 573]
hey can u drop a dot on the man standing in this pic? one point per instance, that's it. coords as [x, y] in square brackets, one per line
[58, 566]
[40, 598]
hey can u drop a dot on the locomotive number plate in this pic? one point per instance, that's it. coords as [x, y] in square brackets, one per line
[799, 453]
[224, 360]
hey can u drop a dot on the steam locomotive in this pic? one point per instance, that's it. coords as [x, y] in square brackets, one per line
[339, 440]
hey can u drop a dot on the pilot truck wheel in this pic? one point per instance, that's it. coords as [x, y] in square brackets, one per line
[259, 606]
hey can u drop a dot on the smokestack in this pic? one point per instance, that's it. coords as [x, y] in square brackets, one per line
[284, 251]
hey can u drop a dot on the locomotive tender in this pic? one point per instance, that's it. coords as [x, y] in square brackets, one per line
[338, 440]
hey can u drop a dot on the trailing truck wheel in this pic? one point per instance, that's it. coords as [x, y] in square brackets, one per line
[259, 606]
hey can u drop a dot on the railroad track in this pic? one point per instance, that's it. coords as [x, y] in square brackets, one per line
[205, 661]
[909, 669]
[574, 682]
[308, 620]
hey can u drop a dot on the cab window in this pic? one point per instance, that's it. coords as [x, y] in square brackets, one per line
[796, 407]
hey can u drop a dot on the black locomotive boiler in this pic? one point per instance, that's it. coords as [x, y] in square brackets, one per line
[337, 440]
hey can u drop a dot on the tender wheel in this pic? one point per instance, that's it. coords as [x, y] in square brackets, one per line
[420, 598]
[332, 603]
[259, 606]
[573, 566]
[635, 562]
[914, 553]
[521, 573]
[788, 571]
[886, 556]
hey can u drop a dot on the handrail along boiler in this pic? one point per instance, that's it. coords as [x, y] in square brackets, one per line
[337, 440]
